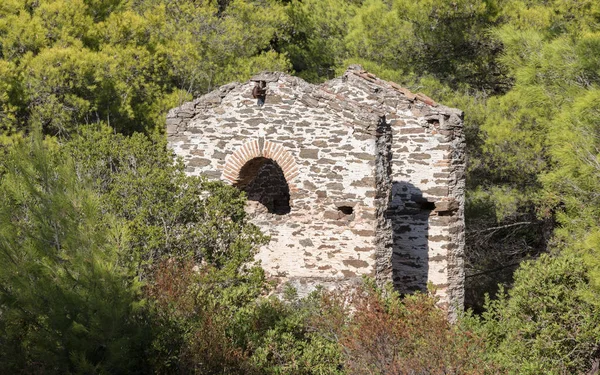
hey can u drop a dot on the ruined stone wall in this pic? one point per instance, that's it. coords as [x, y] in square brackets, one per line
[327, 162]
[425, 158]
[375, 177]
[426, 205]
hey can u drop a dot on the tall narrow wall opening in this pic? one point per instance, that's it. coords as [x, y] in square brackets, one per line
[264, 182]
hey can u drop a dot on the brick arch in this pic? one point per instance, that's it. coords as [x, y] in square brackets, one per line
[256, 149]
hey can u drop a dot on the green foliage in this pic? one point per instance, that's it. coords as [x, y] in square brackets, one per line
[552, 17]
[67, 302]
[446, 40]
[546, 323]
[65, 63]
[82, 223]
[165, 213]
[193, 318]
[188, 238]
[532, 136]
[549, 76]
[572, 185]
[206, 331]
[351, 332]
[575, 148]
[543, 137]
[314, 40]
[286, 337]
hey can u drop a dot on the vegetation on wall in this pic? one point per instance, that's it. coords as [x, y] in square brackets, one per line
[114, 261]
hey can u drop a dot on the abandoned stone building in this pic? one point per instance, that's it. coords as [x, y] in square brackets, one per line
[356, 176]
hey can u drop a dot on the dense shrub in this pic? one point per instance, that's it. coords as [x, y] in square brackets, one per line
[548, 323]
[379, 333]
[165, 212]
[84, 227]
[68, 303]
[205, 330]
[192, 320]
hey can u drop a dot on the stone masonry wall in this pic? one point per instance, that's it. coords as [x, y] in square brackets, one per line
[375, 177]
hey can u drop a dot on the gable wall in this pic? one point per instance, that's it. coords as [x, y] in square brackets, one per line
[397, 161]
[333, 165]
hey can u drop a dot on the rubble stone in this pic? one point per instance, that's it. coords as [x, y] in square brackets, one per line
[357, 176]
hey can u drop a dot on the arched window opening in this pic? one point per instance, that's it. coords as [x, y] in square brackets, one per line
[263, 181]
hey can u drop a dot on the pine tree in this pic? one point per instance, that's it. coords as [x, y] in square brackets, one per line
[67, 301]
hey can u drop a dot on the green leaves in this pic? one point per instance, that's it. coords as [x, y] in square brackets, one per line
[68, 304]
[82, 224]
[314, 39]
[125, 63]
[546, 323]
[449, 41]
[165, 212]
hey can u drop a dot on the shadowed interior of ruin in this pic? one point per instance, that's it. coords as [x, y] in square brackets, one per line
[263, 181]
[409, 213]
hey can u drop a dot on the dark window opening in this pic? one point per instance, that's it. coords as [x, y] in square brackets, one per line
[434, 122]
[346, 210]
[263, 181]
[426, 205]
